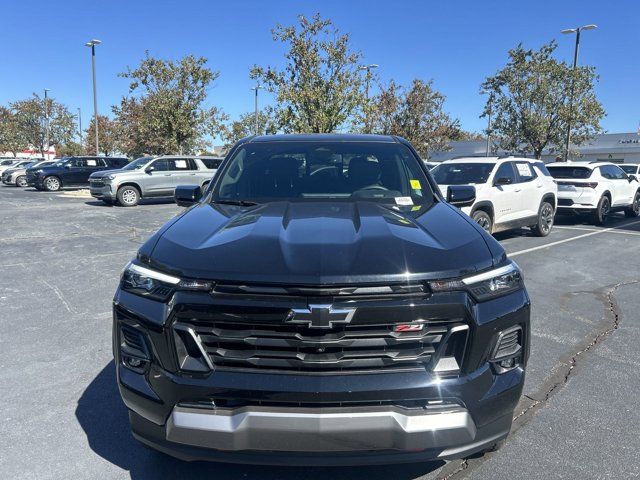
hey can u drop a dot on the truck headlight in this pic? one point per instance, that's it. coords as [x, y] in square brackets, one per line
[160, 286]
[109, 177]
[485, 285]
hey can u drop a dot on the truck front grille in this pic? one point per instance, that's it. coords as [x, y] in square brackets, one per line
[96, 183]
[289, 347]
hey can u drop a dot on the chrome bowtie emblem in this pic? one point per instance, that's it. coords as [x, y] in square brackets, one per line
[320, 316]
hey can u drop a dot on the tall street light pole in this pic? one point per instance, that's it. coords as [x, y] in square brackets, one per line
[368, 68]
[46, 121]
[80, 125]
[92, 44]
[575, 64]
[255, 117]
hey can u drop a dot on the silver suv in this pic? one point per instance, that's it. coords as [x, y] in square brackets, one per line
[151, 177]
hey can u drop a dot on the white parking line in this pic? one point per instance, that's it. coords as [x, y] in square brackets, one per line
[589, 234]
[585, 229]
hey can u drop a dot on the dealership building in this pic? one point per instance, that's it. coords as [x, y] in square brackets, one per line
[607, 147]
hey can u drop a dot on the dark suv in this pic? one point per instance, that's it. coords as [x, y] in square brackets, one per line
[71, 172]
[321, 303]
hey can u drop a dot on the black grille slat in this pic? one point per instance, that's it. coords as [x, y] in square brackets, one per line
[258, 341]
[321, 358]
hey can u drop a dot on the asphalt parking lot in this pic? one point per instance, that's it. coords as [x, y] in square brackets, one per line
[62, 417]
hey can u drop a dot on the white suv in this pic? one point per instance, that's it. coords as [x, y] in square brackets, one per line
[597, 188]
[511, 192]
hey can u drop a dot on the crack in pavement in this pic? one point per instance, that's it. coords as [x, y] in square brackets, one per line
[612, 309]
[461, 468]
[520, 419]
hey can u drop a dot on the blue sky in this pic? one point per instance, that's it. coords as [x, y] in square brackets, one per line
[457, 44]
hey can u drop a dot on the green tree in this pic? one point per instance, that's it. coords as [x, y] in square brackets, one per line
[415, 113]
[245, 126]
[70, 149]
[530, 102]
[31, 120]
[165, 111]
[320, 88]
[467, 135]
[131, 130]
[11, 136]
[107, 136]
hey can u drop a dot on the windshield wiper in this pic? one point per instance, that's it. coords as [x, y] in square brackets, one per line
[242, 203]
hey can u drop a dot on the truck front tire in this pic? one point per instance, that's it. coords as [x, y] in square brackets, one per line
[128, 196]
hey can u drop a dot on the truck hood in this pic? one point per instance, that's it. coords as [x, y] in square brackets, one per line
[104, 173]
[320, 243]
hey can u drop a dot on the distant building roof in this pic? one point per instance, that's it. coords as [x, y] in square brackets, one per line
[603, 144]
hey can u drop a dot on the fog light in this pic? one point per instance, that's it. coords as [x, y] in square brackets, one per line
[133, 348]
[134, 362]
[509, 363]
[508, 350]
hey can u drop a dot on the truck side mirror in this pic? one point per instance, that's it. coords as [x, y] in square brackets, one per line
[187, 195]
[461, 195]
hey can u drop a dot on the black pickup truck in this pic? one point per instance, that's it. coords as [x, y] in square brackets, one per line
[321, 303]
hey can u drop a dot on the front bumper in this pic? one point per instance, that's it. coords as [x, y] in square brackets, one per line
[38, 181]
[484, 437]
[103, 190]
[307, 430]
[31, 179]
[355, 418]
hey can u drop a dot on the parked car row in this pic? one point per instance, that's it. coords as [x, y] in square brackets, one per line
[514, 192]
[17, 174]
[397, 328]
[8, 164]
[114, 180]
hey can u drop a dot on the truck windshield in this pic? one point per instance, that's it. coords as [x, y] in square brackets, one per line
[137, 164]
[462, 173]
[383, 172]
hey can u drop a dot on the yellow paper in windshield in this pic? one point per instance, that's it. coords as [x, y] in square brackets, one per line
[415, 184]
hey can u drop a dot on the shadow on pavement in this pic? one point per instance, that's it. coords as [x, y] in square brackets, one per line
[150, 201]
[103, 417]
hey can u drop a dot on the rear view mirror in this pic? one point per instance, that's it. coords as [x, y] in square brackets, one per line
[632, 178]
[461, 195]
[187, 195]
[149, 169]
